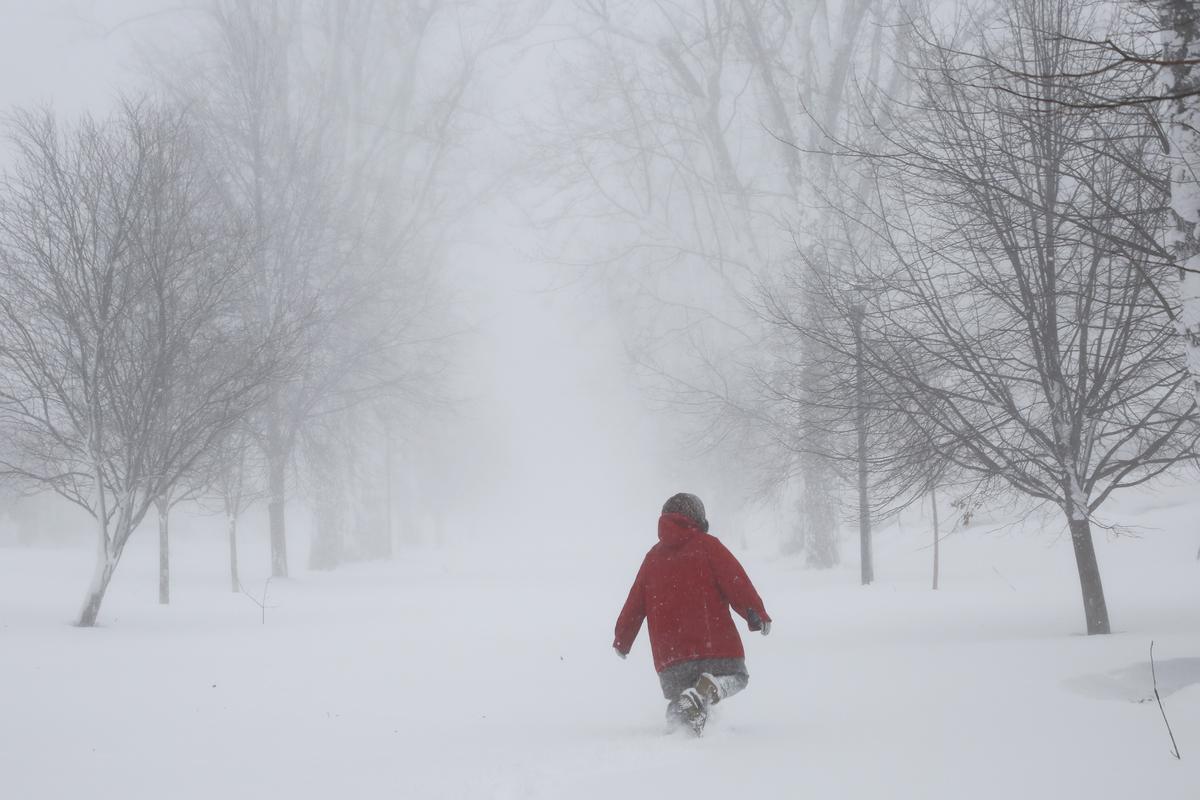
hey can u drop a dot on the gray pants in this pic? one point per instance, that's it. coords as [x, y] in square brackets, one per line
[730, 673]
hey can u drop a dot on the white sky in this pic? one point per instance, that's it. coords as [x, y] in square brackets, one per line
[70, 53]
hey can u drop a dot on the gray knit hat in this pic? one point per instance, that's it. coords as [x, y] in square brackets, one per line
[690, 506]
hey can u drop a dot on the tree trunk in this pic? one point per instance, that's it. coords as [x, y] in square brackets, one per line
[1094, 607]
[164, 554]
[781, 120]
[936, 536]
[95, 595]
[106, 564]
[389, 544]
[864, 504]
[817, 531]
[796, 540]
[819, 514]
[276, 503]
[231, 524]
[106, 556]
[328, 528]
[1181, 29]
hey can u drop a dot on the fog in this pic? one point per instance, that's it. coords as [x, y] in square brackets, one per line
[374, 374]
[542, 413]
[541, 410]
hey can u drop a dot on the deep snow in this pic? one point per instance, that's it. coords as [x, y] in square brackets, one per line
[484, 671]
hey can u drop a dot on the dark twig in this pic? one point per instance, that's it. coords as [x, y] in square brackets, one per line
[262, 604]
[1154, 677]
[1001, 577]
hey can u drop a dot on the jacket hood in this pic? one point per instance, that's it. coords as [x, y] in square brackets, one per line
[675, 530]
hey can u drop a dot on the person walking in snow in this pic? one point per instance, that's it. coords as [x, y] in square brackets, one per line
[684, 590]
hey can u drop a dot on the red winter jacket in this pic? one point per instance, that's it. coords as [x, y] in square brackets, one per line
[686, 585]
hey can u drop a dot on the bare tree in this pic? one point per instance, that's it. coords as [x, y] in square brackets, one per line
[1023, 299]
[1181, 78]
[826, 397]
[1148, 53]
[120, 364]
[230, 475]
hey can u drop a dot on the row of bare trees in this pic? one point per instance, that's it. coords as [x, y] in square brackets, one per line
[339, 125]
[125, 358]
[1005, 313]
[890, 250]
[229, 291]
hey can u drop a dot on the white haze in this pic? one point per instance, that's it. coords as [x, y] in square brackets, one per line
[566, 401]
[547, 423]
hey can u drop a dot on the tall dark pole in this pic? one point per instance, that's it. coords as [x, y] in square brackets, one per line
[387, 487]
[164, 558]
[936, 535]
[864, 507]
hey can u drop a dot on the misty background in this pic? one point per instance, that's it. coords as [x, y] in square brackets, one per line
[543, 418]
[350, 348]
[430, 274]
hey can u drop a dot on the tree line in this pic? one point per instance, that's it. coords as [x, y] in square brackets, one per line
[925, 248]
[868, 252]
[227, 288]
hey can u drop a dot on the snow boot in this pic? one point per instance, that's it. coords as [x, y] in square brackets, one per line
[710, 689]
[675, 719]
[694, 710]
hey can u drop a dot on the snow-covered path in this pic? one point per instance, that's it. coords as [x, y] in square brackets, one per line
[486, 672]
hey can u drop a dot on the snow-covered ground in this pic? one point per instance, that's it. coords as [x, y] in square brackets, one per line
[484, 670]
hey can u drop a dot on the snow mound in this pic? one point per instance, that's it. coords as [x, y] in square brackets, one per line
[1135, 683]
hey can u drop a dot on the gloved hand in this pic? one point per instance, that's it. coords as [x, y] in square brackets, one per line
[756, 622]
[618, 652]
